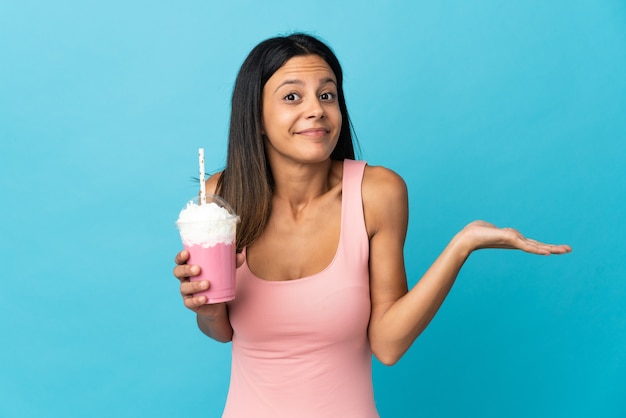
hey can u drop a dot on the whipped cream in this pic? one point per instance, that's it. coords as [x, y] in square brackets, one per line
[206, 225]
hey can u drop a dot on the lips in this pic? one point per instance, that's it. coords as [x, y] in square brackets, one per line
[314, 132]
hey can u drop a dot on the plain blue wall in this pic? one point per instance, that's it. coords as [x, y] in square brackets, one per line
[513, 112]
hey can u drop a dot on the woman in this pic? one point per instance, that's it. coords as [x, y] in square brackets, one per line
[321, 282]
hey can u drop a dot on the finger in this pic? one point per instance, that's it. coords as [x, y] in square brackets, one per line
[552, 248]
[240, 259]
[547, 249]
[182, 257]
[185, 271]
[529, 245]
[188, 289]
[534, 246]
[195, 302]
[566, 248]
[560, 249]
[537, 248]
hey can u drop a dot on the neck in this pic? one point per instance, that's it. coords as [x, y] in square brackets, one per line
[298, 183]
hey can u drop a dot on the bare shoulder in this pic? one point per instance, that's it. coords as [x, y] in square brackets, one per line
[378, 179]
[211, 183]
[385, 197]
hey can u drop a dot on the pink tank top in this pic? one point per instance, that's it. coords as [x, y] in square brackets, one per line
[300, 347]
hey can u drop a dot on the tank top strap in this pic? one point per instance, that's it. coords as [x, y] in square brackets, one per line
[354, 232]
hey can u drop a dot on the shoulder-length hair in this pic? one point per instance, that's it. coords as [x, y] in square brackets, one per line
[247, 182]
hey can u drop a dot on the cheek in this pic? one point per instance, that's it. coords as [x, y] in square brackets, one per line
[277, 125]
[268, 119]
[335, 114]
[274, 122]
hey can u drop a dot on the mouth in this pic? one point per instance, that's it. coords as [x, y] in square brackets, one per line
[313, 132]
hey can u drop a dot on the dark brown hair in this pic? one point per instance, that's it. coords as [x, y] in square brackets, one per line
[247, 182]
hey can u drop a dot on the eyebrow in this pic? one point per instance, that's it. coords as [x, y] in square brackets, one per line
[301, 83]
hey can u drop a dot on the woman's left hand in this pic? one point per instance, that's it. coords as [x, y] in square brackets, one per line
[481, 234]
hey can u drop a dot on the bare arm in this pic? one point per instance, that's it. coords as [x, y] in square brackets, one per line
[398, 315]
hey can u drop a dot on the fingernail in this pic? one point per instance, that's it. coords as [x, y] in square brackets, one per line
[195, 269]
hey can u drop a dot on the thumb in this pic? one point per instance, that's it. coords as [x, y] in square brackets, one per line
[241, 257]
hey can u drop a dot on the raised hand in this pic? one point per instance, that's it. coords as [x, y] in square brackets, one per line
[481, 234]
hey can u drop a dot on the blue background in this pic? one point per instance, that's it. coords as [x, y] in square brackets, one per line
[513, 112]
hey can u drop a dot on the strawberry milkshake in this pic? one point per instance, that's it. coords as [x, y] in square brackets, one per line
[208, 230]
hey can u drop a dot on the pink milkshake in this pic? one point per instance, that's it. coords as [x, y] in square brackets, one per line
[208, 232]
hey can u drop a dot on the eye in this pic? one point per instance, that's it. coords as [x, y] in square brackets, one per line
[291, 97]
[328, 96]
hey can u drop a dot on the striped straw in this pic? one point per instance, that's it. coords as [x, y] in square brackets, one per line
[202, 184]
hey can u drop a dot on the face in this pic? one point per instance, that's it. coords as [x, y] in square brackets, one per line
[301, 115]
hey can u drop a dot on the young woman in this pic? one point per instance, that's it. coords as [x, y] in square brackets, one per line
[321, 282]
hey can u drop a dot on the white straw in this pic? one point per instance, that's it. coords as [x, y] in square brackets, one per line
[202, 184]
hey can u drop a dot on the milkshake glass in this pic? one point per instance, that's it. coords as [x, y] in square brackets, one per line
[208, 232]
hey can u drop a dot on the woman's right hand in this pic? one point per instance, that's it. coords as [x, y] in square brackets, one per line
[188, 288]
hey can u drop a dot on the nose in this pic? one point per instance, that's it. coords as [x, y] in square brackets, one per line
[315, 109]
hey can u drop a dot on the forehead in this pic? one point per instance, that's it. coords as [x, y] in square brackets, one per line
[303, 66]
